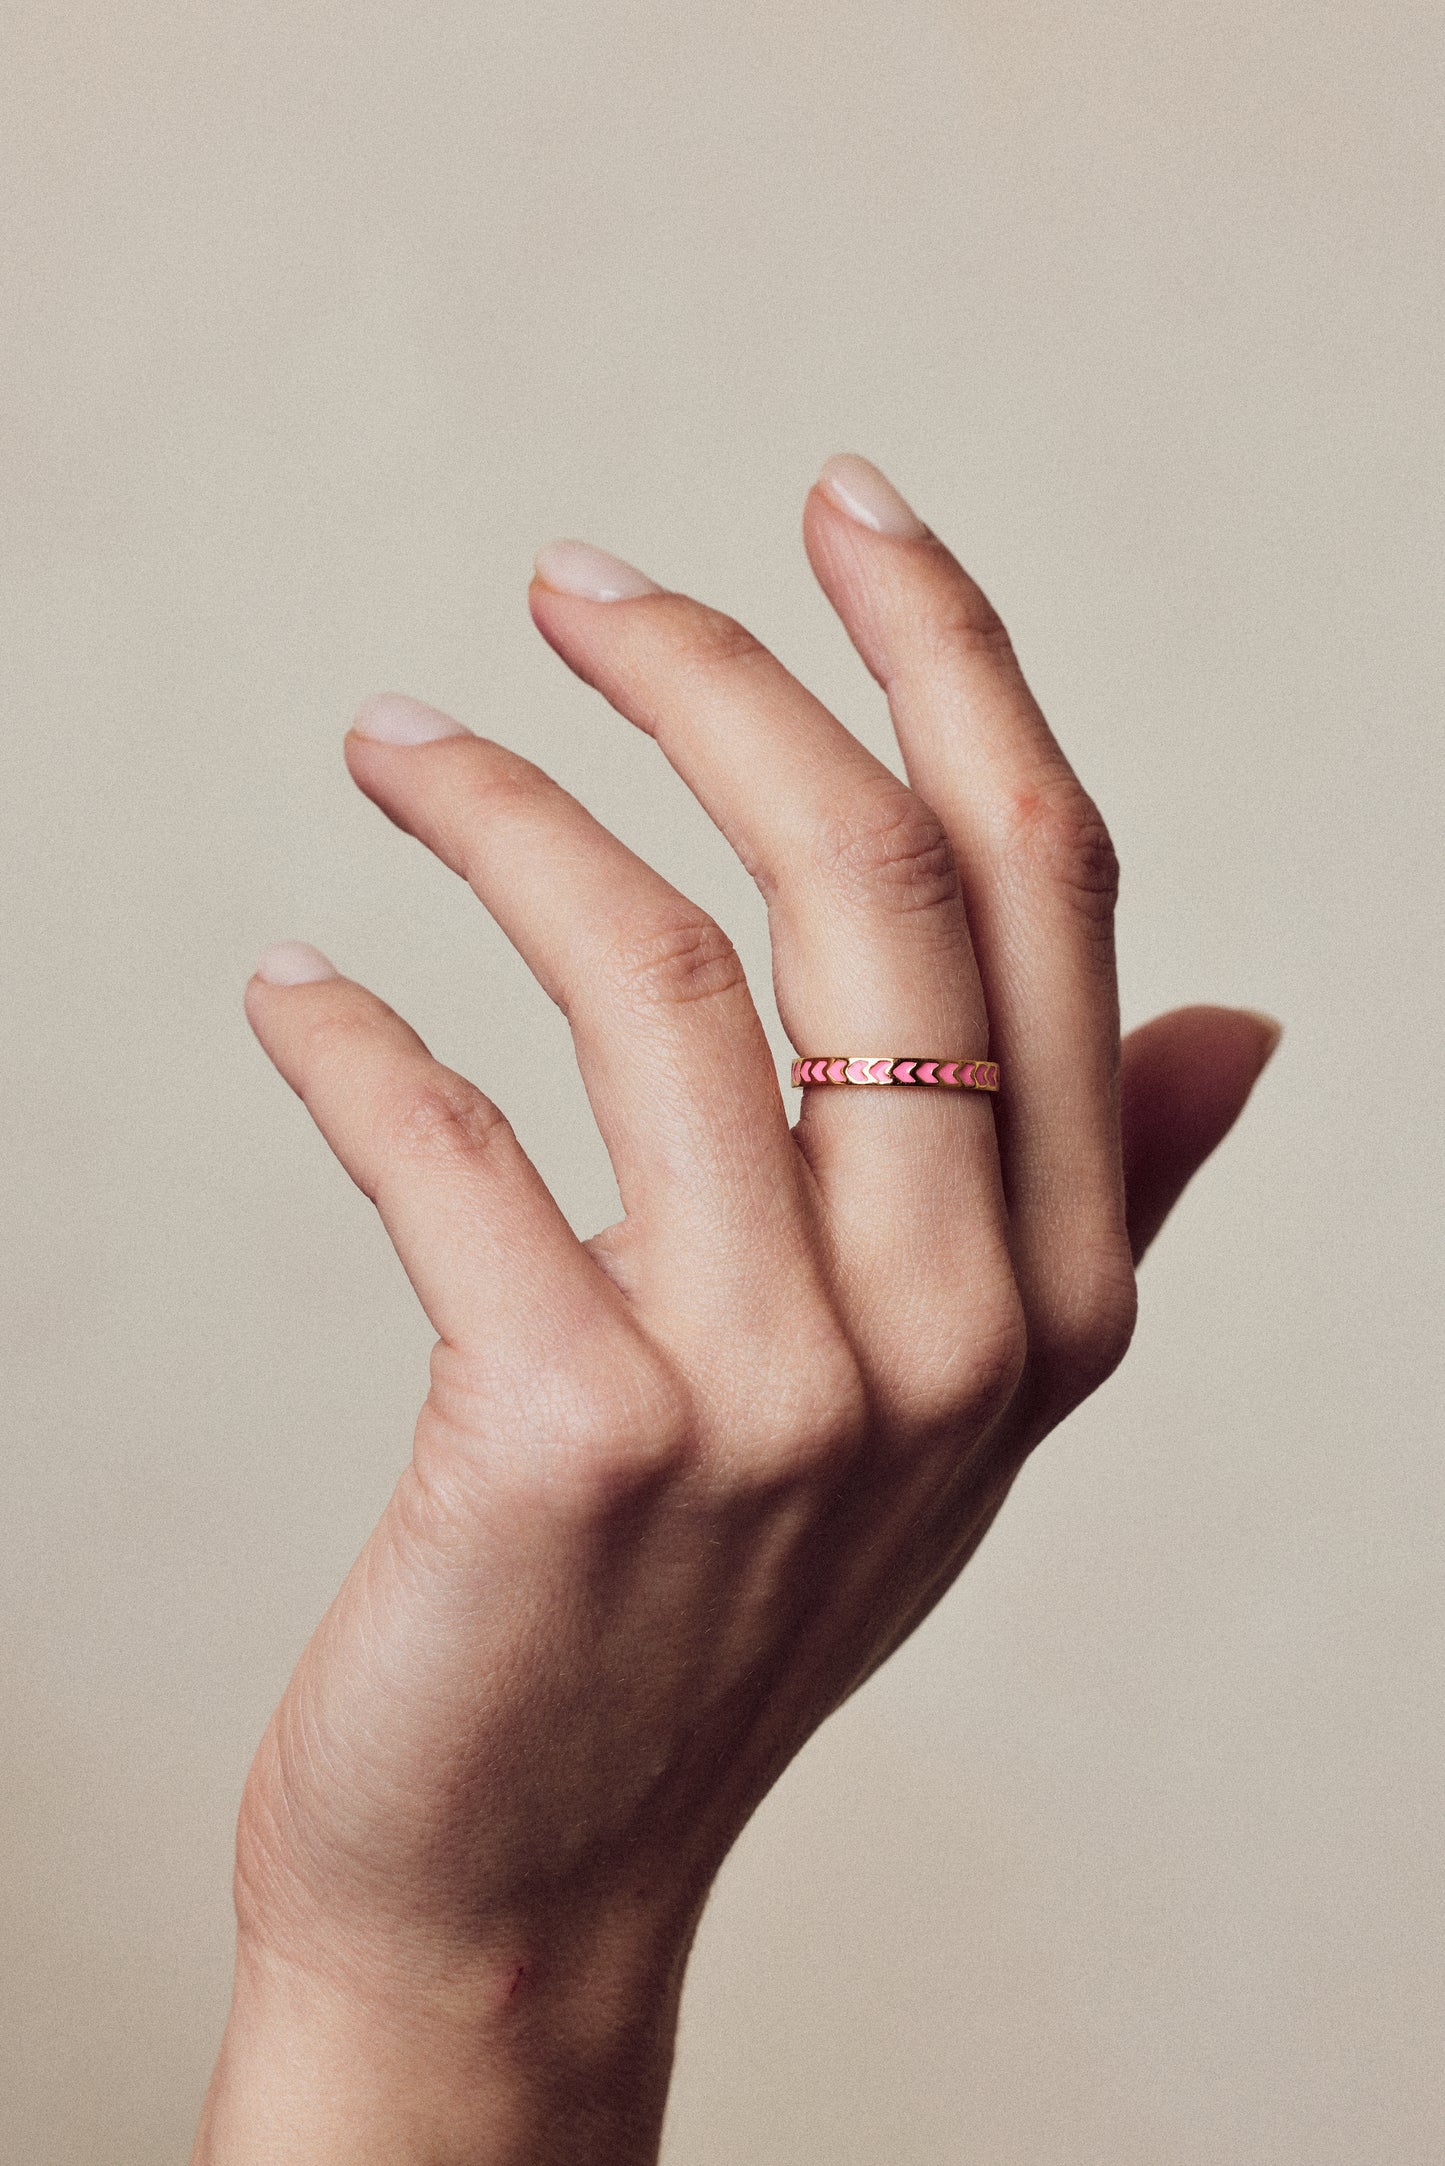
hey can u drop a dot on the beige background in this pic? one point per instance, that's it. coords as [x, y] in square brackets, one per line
[318, 319]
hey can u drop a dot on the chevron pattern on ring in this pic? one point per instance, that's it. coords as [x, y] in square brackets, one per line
[914, 1069]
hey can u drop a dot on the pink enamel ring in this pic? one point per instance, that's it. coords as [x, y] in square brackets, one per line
[948, 1075]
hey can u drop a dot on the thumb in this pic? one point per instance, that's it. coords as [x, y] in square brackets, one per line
[1183, 1084]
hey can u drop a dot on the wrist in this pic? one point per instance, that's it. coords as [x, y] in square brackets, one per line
[543, 2054]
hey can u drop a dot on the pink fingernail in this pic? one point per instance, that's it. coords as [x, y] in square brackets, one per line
[857, 488]
[573, 567]
[294, 962]
[393, 719]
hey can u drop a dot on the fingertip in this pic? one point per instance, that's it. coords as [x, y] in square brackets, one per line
[586, 573]
[293, 962]
[864, 494]
[1186, 1078]
[1271, 1030]
[395, 718]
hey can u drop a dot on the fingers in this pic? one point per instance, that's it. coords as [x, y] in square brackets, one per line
[1186, 1079]
[869, 928]
[482, 1241]
[671, 1050]
[1039, 878]
[870, 938]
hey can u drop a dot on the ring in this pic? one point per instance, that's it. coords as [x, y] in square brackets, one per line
[948, 1075]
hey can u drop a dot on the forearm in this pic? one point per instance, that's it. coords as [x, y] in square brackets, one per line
[314, 2074]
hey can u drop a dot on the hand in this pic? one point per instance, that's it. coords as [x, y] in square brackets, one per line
[678, 1489]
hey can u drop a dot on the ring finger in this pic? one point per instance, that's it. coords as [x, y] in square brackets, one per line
[1039, 875]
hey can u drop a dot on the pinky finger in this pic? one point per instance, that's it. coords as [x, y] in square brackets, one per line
[478, 1233]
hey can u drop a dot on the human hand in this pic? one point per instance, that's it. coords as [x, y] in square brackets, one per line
[677, 1490]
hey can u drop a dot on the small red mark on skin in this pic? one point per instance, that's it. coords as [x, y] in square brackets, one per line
[516, 1985]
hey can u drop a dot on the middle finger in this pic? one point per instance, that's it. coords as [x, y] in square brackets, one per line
[871, 949]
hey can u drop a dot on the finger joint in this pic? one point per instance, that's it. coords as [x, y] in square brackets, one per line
[1056, 833]
[890, 854]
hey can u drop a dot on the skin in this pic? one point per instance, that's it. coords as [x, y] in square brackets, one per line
[677, 1490]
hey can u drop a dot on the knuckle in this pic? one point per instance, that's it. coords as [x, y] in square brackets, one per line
[608, 1446]
[445, 1121]
[890, 852]
[1086, 1332]
[1056, 832]
[706, 640]
[968, 1379]
[967, 623]
[814, 1430]
[996, 1356]
[683, 958]
[583, 1444]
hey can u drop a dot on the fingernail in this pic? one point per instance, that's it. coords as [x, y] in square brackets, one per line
[573, 567]
[1268, 1023]
[390, 718]
[857, 487]
[294, 962]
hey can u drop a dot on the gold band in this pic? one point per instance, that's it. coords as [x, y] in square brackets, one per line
[865, 1068]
